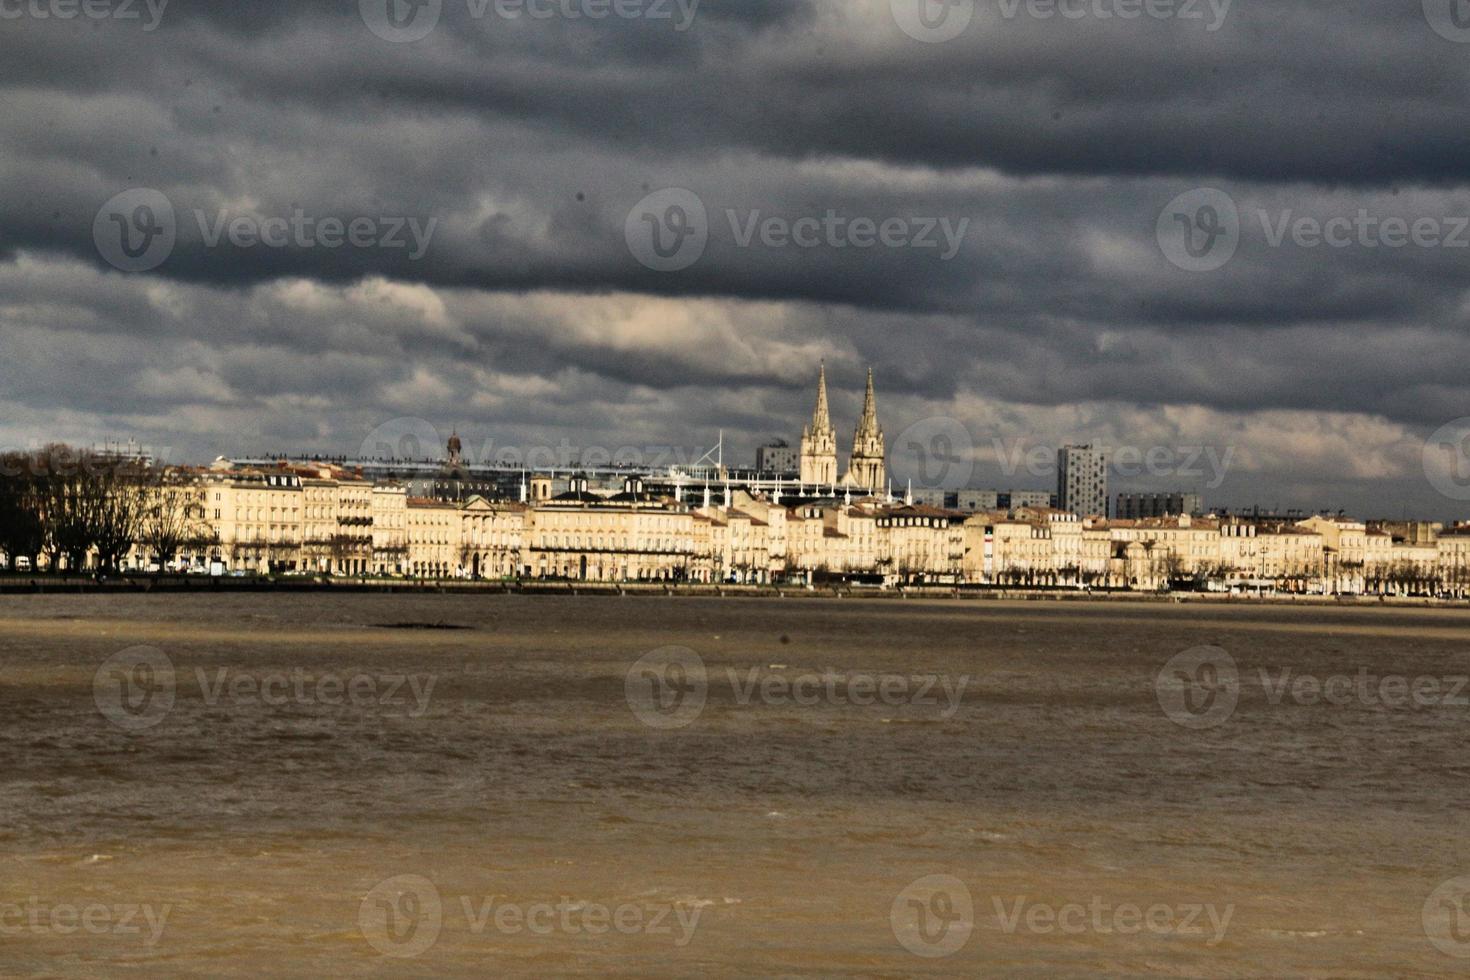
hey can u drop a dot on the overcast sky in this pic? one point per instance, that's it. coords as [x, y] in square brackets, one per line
[562, 230]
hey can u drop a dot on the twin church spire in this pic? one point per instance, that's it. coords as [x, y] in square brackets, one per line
[866, 468]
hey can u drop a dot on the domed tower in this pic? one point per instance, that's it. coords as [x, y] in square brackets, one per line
[867, 468]
[819, 440]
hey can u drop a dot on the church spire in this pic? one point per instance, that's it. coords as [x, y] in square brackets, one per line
[868, 425]
[821, 415]
[819, 439]
[867, 467]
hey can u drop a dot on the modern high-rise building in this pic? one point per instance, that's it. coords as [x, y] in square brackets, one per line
[819, 440]
[1082, 481]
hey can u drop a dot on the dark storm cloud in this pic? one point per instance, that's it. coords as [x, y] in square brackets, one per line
[521, 146]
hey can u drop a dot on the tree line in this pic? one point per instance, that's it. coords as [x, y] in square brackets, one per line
[69, 505]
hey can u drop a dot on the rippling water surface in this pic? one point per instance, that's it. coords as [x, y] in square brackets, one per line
[484, 791]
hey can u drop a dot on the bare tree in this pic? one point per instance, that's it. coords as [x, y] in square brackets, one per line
[172, 517]
[21, 532]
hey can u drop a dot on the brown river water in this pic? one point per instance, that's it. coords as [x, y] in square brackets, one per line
[318, 785]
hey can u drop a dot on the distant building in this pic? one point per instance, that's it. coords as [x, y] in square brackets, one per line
[1142, 506]
[778, 459]
[977, 501]
[1082, 481]
[983, 501]
[1017, 499]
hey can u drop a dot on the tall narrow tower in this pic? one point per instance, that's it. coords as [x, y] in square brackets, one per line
[867, 468]
[819, 440]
